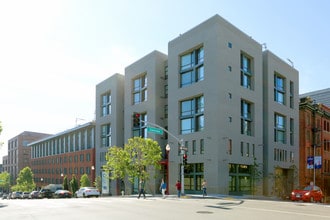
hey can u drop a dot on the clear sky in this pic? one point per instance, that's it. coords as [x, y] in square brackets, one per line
[54, 53]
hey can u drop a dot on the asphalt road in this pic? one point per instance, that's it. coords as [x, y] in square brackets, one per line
[170, 208]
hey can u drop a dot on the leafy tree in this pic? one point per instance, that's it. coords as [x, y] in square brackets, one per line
[84, 181]
[98, 183]
[24, 181]
[0, 127]
[65, 183]
[134, 160]
[5, 180]
[74, 184]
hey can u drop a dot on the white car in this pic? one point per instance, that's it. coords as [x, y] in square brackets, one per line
[87, 192]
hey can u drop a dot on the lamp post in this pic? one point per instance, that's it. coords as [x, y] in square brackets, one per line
[93, 178]
[167, 148]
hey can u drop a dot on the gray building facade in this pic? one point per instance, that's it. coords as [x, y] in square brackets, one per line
[231, 105]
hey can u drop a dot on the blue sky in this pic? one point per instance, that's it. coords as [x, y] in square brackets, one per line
[53, 53]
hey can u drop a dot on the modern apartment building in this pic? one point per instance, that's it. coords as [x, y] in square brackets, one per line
[231, 106]
[314, 131]
[71, 152]
[19, 153]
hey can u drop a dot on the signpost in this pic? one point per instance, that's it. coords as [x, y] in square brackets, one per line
[155, 130]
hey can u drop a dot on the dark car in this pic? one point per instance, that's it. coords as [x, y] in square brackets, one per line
[308, 194]
[45, 193]
[62, 194]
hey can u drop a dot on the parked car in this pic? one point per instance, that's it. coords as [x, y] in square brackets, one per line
[34, 195]
[25, 195]
[5, 196]
[62, 194]
[16, 195]
[87, 192]
[308, 194]
[45, 193]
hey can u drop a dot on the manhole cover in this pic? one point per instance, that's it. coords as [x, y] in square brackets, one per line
[204, 212]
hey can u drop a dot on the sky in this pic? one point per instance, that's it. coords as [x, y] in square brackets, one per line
[54, 53]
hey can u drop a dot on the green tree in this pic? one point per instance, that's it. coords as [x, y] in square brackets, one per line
[0, 127]
[65, 183]
[98, 183]
[74, 184]
[5, 181]
[84, 181]
[134, 160]
[24, 181]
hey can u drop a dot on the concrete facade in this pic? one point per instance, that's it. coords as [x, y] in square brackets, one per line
[109, 121]
[280, 116]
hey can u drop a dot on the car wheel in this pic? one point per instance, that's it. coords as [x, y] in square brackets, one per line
[84, 195]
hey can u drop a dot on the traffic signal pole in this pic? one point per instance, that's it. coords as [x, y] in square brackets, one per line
[180, 141]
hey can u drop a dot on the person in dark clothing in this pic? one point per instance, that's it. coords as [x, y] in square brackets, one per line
[141, 190]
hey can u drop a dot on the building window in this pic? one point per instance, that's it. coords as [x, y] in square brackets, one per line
[246, 118]
[246, 71]
[140, 89]
[242, 149]
[201, 146]
[279, 129]
[106, 135]
[106, 104]
[291, 94]
[279, 89]
[192, 67]
[291, 131]
[230, 45]
[194, 147]
[192, 115]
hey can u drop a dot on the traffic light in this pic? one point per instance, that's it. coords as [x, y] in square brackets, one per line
[136, 120]
[185, 157]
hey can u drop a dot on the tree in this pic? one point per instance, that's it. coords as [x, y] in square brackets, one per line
[134, 160]
[74, 184]
[5, 181]
[84, 181]
[24, 181]
[98, 183]
[65, 183]
[0, 127]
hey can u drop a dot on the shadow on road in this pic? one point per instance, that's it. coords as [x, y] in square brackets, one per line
[225, 205]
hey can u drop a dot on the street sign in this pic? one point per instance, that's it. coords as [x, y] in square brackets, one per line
[155, 130]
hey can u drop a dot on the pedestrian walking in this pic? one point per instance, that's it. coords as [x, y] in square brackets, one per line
[204, 185]
[141, 190]
[178, 188]
[163, 188]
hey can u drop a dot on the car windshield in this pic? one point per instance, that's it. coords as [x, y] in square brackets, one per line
[311, 188]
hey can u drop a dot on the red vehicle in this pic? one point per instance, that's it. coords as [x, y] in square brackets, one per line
[308, 194]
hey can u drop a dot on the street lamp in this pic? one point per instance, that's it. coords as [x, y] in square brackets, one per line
[93, 178]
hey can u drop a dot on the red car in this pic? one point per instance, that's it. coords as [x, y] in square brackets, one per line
[308, 194]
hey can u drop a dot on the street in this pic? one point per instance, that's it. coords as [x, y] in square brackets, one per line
[170, 208]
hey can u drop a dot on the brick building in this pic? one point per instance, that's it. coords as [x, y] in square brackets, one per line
[314, 144]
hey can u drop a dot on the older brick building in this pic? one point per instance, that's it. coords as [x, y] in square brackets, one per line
[314, 143]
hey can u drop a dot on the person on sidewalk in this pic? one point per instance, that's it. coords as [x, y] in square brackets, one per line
[178, 187]
[163, 188]
[141, 191]
[204, 184]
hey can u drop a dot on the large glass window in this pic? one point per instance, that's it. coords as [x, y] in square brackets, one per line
[106, 135]
[279, 128]
[246, 118]
[106, 104]
[246, 71]
[279, 89]
[192, 67]
[140, 89]
[192, 115]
